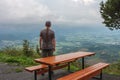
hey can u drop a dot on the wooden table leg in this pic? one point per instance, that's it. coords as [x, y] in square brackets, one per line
[50, 72]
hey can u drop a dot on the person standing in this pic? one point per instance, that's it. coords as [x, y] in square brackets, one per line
[47, 41]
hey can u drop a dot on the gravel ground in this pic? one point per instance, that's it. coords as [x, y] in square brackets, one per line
[13, 72]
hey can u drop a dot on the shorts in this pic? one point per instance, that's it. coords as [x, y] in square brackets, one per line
[46, 53]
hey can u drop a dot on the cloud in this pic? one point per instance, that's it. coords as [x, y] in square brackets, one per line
[58, 11]
[22, 10]
[78, 11]
[85, 2]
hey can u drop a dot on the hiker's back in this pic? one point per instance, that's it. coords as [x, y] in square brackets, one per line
[47, 36]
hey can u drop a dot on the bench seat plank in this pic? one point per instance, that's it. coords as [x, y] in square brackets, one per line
[34, 68]
[44, 68]
[87, 73]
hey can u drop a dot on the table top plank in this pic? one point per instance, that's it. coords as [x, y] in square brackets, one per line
[63, 58]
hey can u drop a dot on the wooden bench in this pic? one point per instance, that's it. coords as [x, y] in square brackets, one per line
[87, 73]
[36, 69]
[40, 69]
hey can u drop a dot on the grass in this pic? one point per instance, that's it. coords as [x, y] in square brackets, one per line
[113, 69]
[24, 61]
[19, 60]
[16, 56]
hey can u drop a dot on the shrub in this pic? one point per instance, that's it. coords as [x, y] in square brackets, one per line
[27, 50]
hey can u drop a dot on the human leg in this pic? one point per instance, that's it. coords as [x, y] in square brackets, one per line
[44, 53]
[50, 52]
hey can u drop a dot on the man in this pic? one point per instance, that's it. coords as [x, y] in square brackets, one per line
[47, 41]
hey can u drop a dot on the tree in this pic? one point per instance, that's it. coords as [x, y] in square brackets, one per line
[27, 50]
[37, 50]
[110, 12]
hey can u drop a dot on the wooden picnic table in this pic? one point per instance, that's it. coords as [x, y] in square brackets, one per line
[64, 58]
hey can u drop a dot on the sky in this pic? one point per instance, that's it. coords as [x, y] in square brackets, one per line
[77, 12]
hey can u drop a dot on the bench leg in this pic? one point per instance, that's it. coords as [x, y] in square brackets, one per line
[101, 75]
[35, 75]
[83, 63]
[68, 66]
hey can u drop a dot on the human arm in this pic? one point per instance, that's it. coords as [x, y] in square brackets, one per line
[40, 42]
[54, 44]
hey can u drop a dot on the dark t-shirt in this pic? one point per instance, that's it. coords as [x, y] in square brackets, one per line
[47, 36]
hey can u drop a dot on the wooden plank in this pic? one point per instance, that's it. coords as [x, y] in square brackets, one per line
[63, 58]
[86, 73]
[44, 68]
[33, 68]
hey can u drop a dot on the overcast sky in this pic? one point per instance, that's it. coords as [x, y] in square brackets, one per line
[58, 11]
